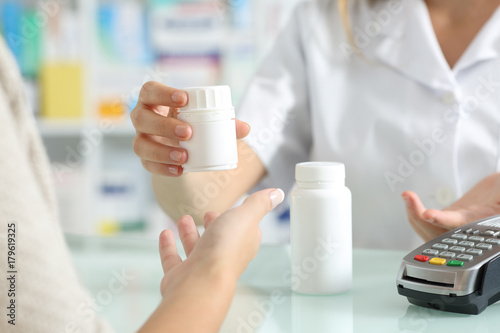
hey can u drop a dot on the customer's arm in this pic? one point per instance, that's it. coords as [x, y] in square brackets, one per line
[197, 293]
[157, 144]
[47, 295]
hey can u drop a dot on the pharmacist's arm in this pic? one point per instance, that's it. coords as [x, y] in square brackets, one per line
[157, 145]
[195, 193]
[481, 201]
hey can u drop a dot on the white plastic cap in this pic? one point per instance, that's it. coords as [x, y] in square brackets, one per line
[319, 172]
[211, 97]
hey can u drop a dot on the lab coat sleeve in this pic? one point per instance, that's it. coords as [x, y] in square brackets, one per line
[276, 107]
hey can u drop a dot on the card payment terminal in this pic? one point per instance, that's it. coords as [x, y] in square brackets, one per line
[458, 271]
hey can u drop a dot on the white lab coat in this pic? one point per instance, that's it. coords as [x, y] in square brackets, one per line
[397, 116]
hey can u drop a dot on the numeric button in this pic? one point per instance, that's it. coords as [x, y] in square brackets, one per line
[493, 241]
[449, 241]
[430, 252]
[465, 257]
[439, 246]
[476, 239]
[448, 255]
[476, 252]
[457, 249]
[466, 243]
[484, 246]
[459, 236]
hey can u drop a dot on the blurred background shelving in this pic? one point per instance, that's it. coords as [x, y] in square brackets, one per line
[84, 62]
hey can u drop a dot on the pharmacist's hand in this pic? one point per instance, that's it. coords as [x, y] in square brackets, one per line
[159, 131]
[481, 201]
[230, 242]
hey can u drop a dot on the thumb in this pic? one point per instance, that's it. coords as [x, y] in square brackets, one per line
[264, 201]
[242, 129]
[256, 206]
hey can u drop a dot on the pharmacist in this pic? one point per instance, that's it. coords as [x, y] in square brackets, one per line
[413, 111]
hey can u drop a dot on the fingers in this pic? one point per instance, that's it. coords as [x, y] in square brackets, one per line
[443, 218]
[414, 206]
[168, 251]
[423, 224]
[149, 122]
[209, 218]
[156, 96]
[188, 233]
[242, 129]
[150, 150]
[154, 93]
[162, 169]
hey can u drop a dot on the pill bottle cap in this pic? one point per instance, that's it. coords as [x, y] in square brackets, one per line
[208, 98]
[319, 172]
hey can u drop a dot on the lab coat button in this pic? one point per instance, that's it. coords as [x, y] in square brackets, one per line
[449, 98]
[445, 196]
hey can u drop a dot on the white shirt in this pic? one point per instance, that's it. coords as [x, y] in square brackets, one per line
[397, 116]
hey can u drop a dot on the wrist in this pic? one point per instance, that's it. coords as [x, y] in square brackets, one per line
[199, 298]
[202, 276]
[214, 271]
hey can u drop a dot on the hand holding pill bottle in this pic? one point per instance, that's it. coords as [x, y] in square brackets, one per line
[186, 130]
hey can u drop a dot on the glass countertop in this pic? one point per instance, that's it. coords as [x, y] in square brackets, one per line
[263, 300]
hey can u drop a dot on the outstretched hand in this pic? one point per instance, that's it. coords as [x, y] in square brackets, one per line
[481, 201]
[197, 292]
[230, 241]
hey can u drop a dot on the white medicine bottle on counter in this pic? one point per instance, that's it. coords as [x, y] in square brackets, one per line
[210, 113]
[321, 229]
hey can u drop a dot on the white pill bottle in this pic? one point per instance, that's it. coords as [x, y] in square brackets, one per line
[210, 113]
[321, 229]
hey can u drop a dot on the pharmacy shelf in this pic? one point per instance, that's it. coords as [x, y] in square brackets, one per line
[108, 77]
[76, 128]
[121, 130]
[61, 128]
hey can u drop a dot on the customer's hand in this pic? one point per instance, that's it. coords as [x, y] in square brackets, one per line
[197, 292]
[229, 243]
[481, 201]
[159, 131]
